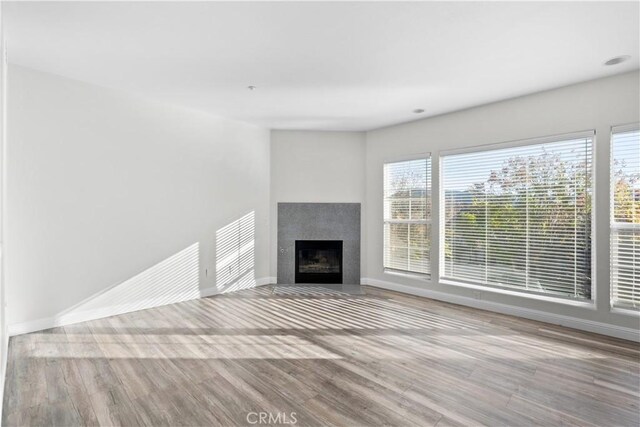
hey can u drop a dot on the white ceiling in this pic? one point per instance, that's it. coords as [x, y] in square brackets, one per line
[328, 66]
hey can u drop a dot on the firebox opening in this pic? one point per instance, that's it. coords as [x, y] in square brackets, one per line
[318, 261]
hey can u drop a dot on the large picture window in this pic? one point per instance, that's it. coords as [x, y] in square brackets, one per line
[407, 216]
[518, 216]
[625, 217]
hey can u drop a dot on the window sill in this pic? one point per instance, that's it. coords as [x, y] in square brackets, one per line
[590, 305]
[408, 275]
[625, 311]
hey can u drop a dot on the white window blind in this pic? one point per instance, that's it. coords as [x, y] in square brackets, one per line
[519, 217]
[407, 215]
[625, 217]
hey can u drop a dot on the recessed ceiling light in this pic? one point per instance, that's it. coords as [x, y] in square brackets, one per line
[251, 87]
[617, 60]
[418, 111]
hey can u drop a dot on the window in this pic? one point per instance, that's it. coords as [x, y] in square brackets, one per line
[519, 217]
[407, 216]
[625, 217]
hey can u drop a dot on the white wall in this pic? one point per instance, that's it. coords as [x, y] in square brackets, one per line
[103, 186]
[598, 105]
[321, 167]
[4, 336]
[116, 203]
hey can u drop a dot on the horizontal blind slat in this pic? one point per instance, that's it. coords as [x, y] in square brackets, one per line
[520, 217]
[625, 218]
[407, 214]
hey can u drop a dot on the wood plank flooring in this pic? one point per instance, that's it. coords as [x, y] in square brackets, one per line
[320, 357]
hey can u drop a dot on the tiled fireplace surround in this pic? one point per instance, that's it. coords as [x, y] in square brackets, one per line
[319, 221]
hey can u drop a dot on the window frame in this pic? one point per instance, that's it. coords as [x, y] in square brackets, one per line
[618, 226]
[442, 278]
[428, 222]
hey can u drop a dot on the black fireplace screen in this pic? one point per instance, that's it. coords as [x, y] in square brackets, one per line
[318, 261]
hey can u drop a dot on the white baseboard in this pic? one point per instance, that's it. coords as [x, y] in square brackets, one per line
[209, 292]
[266, 281]
[76, 317]
[542, 316]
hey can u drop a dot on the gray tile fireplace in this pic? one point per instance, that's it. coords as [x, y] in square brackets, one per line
[318, 243]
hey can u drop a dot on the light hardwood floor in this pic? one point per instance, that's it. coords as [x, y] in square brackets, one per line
[330, 357]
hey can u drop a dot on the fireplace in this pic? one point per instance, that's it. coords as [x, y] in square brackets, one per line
[318, 261]
[319, 222]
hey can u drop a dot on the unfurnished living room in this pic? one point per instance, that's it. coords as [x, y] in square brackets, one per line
[320, 213]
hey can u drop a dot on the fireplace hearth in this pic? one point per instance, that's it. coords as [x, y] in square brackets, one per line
[318, 261]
